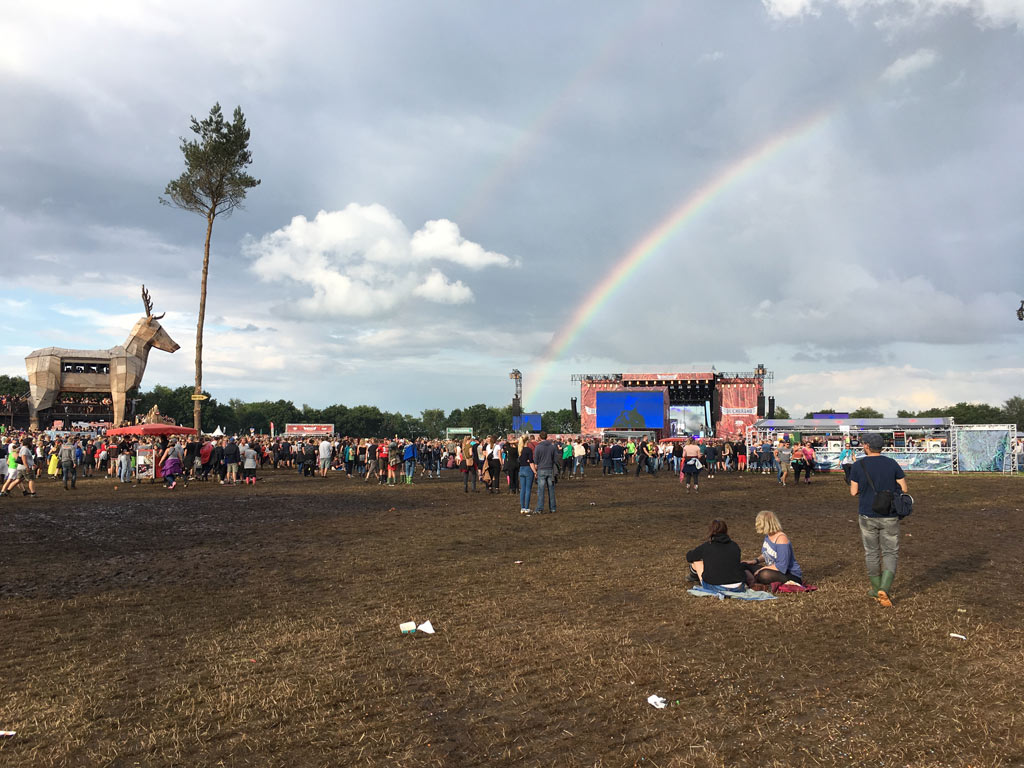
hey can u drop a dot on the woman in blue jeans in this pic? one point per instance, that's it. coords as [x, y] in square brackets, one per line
[526, 475]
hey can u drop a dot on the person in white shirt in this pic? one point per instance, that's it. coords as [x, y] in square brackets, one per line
[325, 451]
[579, 455]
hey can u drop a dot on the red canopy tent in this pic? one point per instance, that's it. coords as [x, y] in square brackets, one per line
[146, 430]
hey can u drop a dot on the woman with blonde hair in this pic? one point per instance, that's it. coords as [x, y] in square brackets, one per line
[777, 561]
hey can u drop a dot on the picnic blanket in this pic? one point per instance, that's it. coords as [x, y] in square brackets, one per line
[713, 590]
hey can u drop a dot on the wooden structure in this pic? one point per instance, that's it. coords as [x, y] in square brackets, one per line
[95, 371]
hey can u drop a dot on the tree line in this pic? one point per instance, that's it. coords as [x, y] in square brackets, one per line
[236, 416]
[367, 420]
[1010, 412]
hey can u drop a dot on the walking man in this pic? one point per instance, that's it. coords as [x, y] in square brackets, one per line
[544, 468]
[880, 532]
[68, 464]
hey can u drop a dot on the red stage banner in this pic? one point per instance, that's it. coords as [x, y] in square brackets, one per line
[739, 405]
[309, 429]
[588, 402]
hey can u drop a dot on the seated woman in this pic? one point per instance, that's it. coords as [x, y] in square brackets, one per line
[777, 561]
[716, 562]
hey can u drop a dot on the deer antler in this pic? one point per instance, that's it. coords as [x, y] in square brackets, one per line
[148, 303]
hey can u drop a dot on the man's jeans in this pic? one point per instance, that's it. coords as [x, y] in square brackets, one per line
[578, 466]
[881, 538]
[70, 471]
[124, 468]
[410, 468]
[545, 482]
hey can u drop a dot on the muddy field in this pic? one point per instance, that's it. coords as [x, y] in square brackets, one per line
[258, 626]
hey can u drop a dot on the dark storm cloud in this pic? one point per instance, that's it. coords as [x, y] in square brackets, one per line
[557, 138]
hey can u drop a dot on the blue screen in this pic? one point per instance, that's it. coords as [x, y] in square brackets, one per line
[528, 422]
[631, 410]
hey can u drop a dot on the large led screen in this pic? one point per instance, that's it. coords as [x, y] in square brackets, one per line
[631, 410]
[687, 420]
[528, 422]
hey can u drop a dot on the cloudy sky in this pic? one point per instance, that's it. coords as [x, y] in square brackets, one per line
[445, 185]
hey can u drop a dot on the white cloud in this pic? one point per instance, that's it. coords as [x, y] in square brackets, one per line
[441, 240]
[361, 261]
[438, 288]
[893, 388]
[989, 13]
[906, 66]
[788, 9]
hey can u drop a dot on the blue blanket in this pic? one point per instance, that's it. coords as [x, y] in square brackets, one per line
[713, 590]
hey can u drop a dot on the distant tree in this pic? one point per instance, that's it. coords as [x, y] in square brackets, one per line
[219, 415]
[781, 413]
[175, 403]
[214, 184]
[976, 413]
[337, 415]
[866, 412]
[13, 385]
[560, 422]
[434, 422]
[485, 419]
[810, 414]
[973, 413]
[1014, 411]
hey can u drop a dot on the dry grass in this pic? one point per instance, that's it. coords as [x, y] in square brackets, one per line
[259, 626]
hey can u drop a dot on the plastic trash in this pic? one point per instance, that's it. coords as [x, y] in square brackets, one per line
[7, 734]
[656, 701]
[408, 627]
[958, 637]
[427, 627]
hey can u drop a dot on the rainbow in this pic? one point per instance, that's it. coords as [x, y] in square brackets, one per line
[664, 232]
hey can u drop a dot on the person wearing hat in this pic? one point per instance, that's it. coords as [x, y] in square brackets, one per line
[879, 532]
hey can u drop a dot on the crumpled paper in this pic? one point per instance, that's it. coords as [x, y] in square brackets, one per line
[656, 701]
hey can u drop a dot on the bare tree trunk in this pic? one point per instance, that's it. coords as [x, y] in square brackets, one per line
[197, 404]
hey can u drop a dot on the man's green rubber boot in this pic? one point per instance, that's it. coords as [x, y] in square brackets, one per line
[885, 587]
[876, 584]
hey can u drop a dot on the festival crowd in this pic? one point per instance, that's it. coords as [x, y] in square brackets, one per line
[513, 464]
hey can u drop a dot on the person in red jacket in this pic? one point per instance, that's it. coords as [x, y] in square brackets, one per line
[205, 452]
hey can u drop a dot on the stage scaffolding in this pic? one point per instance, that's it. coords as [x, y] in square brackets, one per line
[967, 448]
[984, 448]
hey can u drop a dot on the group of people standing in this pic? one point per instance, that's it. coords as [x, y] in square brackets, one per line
[717, 564]
[524, 461]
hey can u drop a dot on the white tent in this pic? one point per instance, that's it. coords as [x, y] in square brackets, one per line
[218, 432]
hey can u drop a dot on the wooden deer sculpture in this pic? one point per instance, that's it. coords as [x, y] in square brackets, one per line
[95, 371]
